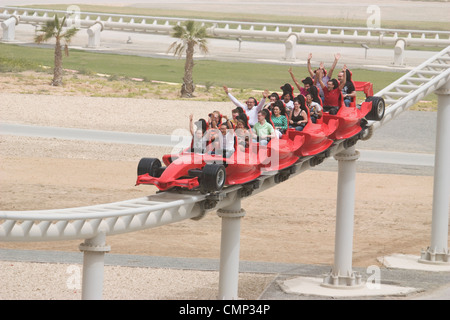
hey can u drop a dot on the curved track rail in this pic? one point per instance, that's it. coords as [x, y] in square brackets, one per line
[169, 207]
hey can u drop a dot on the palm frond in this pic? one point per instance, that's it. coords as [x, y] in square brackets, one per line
[178, 48]
[203, 46]
[47, 32]
[190, 26]
[56, 21]
[39, 38]
[189, 32]
[201, 33]
[178, 31]
[69, 34]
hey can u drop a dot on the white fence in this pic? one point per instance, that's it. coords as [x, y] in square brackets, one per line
[291, 34]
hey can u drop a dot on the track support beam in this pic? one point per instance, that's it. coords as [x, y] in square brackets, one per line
[438, 251]
[9, 28]
[94, 250]
[94, 34]
[341, 274]
[229, 250]
[399, 52]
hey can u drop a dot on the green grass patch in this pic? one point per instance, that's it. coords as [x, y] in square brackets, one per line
[209, 75]
[12, 64]
[206, 72]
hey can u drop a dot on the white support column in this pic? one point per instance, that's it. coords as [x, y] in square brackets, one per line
[9, 28]
[93, 267]
[94, 34]
[438, 251]
[341, 274]
[399, 50]
[229, 250]
[290, 45]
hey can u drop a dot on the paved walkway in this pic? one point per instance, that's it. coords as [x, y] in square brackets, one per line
[395, 282]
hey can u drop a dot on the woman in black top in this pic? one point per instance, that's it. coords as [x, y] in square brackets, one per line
[299, 117]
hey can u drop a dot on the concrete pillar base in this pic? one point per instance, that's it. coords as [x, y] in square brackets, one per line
[432, 257]
[351, 281]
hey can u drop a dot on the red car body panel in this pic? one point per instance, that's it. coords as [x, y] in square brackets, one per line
[366, 87]
[280, 153]
[316, 137]
[241, 167]
[349, 119]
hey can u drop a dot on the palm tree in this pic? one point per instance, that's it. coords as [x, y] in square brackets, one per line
[54, 29]
[190, 35]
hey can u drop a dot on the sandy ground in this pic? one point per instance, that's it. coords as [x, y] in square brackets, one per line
[293, 222]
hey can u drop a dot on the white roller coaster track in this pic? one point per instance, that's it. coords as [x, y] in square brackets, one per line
[168, 207]
[164, 25]
[414, 86]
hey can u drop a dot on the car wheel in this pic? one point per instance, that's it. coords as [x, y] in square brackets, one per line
[151, 166]
[212, 178]
[378, 108]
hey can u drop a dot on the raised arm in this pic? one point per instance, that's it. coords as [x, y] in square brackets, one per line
[191, 123]
[260, 105]
[316, 75]
[233, 99]
[299, 87]
[344, 78]
[319, 77]
[337, 56]
[311, 72]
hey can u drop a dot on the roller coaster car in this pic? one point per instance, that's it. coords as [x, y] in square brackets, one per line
[210, 173]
